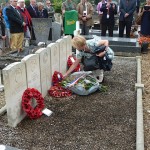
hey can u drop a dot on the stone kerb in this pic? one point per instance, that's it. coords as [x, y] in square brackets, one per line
[69, 46]
[63, 55]
[33, 71]
[14, 76]
[45, 69]
[54, 57]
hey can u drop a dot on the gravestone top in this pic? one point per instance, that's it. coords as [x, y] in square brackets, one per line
[56, 31]
[41, 28]
[4, 147]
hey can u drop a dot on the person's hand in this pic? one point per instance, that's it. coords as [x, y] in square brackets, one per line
[24, 24]
[4, 37]
[101, 54]
[108, 5]
[113, 6]
[65, 75]
[126, 15]
[63, 11]
[84, 18]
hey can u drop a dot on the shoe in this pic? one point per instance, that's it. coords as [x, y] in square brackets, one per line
[100, 80]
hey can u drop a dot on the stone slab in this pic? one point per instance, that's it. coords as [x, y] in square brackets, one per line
[45, 69]
[56, 31]
[41, 28]
[63, 55]
[14, 76]
[54, 57]
[4, 147]
[118, 40]
[33, 71]
[115, 33]
[127, 49]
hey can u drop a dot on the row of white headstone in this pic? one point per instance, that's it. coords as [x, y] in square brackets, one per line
[34, 71]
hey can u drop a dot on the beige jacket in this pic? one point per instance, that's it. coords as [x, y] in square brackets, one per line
[80, 8]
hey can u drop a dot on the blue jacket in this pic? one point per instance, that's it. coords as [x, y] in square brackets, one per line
[124, 8]
[7, 24]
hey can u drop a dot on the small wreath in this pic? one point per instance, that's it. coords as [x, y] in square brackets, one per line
[56, 78]
[70, 61]
[57, 91]
[28, 95]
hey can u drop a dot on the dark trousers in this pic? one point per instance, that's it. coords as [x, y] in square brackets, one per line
[108, 27]
[32, 33]
[85, 29]
[122, 25]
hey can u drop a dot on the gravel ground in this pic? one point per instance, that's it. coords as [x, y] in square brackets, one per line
[101, 121]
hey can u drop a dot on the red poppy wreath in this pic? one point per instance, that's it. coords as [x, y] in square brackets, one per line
[70, 61]
[28, 95]
[57, 91]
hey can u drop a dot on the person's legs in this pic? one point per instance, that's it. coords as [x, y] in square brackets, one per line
[87, 30]
[121, 28]
[128, 28]
[14, 38]
[20, 41]
[104, 28]
[7, 41]
[83, 29]
[100, 22]
[110, 29]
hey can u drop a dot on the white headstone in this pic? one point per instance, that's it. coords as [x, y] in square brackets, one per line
[63, 55]
[33, 71]
[69, 46]
[45, 69]
[54, 56]
[15, 84]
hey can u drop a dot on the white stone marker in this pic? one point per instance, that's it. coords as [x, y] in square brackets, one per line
[54, 56]
[45, 69]
[63, 55]
[15, 85]
[33, 71]
[69, 46]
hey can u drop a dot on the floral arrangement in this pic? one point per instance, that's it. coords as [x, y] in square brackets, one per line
[56, 78]
[28, 95]
[144, 39]
[84, 82]
[58, 91]
[70, 61]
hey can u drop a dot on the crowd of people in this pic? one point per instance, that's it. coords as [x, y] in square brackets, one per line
[16, 18]
[16, 21]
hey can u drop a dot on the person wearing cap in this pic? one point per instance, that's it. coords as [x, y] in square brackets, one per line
[16, 26]
[26, 17]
